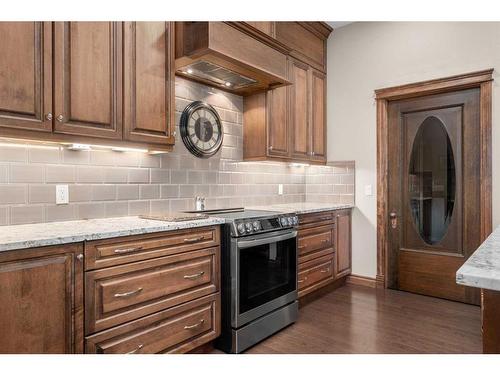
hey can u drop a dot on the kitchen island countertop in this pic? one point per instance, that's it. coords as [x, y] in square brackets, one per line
[482, 269]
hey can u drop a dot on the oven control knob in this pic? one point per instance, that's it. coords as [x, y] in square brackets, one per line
[295, 220]
[290, 221]
[241, 228]
[248, 226]
[256, 226]
[284, 221]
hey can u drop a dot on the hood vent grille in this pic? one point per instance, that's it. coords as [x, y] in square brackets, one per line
[218, 75]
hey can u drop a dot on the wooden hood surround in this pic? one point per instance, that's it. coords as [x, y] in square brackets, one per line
[223, 55]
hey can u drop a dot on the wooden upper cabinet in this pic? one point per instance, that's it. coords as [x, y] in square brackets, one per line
[307, 40]
[267, 27]
[26, 76]
[299, 111]
[278, 124]
[41, 300]
[149, 81]
[88, 79]
[318, 115]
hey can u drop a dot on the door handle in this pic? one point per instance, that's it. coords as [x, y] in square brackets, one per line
[394, 220]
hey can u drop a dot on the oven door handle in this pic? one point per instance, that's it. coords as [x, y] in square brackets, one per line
[245, 244]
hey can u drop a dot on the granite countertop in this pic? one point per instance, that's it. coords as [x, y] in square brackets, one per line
[303, 207]
[13, 237]
[482, 269]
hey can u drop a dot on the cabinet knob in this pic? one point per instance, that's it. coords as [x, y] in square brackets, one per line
[79, 257]
[60, 118]
[270, 148]
[48, 116]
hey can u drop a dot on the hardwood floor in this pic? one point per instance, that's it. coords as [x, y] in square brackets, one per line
[356, 319]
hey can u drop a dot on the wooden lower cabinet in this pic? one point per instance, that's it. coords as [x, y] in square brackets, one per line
[155, 293]
[324, 247]
[176, 330]
[41, 300]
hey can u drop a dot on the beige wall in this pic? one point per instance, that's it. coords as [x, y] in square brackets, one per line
[105, 183]
[366, 56]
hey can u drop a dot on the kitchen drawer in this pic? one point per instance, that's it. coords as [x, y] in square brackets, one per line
[315, 274]
[119, 294]
[313, 240]
[115, 251]
[175, 330]
[318, 218]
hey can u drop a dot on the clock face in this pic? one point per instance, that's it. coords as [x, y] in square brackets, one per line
[201, 129]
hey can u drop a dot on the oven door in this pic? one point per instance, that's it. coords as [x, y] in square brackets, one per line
[264, 275]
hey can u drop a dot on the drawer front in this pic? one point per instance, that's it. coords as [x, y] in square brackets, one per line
[311, 240]
[116, 251]
[119, 294]
[315, 219]
[176, 330]
[315, 274]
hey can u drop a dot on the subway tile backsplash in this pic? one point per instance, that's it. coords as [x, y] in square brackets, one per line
[107, 183]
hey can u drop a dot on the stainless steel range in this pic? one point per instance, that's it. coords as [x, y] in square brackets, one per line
[259, 276]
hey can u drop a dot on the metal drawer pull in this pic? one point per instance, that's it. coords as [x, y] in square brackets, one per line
[139, 347]
[301, 247]
[128, 294]
[325, 271]
[129, 250]
[196, 275]
[325, 241]
[195, 325]
[301, 281]
[191, 240]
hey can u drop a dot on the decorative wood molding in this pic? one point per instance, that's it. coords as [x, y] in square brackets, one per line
[436, 86]
[480, 79]
[370, 282]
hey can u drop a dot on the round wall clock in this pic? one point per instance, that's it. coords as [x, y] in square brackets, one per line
[201, 129]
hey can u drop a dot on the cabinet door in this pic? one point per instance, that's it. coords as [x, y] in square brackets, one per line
[149, 82]
[318, 115]
[41, 300]
[299, 110]
[343, 241]
[88, 79]
[277, 122]
[26, 75]
[267, 27]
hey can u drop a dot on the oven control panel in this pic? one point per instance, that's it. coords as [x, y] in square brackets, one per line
[246, 227]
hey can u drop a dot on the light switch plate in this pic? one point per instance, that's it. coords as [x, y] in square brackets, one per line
[368, 190]
[280, 189]
[62, 194]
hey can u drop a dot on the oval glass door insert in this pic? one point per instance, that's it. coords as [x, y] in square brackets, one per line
[431, 180]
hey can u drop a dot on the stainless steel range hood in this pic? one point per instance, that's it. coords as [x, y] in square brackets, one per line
[221, 55]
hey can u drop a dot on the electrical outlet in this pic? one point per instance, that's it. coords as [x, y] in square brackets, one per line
[280, 189]
[62, 194]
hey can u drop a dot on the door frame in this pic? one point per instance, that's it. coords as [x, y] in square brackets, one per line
[481, 79]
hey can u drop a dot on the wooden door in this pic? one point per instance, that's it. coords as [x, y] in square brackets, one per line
[278, 133]
[343, 242]
[41, 300]
[318, 115]
[88, 79]
[299, 110]
[149, 82]
[434, 192]
[26, 76]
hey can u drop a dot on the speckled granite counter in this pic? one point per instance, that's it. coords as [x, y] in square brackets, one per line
[482, 269]
[13, 237]
[303, 207]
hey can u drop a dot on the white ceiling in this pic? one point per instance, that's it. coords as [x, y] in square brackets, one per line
[337, 24]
